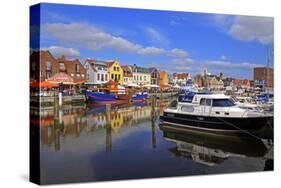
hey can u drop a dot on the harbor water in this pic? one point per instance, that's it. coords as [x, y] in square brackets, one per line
[99, 143]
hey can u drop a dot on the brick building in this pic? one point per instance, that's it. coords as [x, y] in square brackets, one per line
[73, 68]
[263, 77]
[43, 65]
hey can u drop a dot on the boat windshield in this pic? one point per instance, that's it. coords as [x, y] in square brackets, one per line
[223, 102]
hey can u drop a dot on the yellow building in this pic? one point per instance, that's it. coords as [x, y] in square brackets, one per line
[115, 72]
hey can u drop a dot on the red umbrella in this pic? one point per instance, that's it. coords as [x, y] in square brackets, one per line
[44, 84]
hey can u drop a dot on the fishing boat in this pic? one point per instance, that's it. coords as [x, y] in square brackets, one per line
[213, 112]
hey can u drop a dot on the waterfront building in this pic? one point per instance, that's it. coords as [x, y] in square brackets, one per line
[198, 80]
[115, 72]
[155, 76]
[43, 65]
[242, 84]
[263, 77]
[215, 83]
[97, 71]
[127, 74]
[164, 80]
[141, 75]
[182, 79]
[73, 68]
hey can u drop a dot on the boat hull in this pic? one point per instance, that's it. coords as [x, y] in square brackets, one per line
[217, 124]
[101, 98]
[139, 97]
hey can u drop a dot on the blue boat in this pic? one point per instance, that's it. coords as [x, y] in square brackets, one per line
[98, 97]
[139, 97]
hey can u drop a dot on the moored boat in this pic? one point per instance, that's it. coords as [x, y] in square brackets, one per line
[213, 112]
[99, 97]
[140, 97]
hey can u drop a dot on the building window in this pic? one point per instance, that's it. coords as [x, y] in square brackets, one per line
[144, 78]
[33, 66]
[112, 76]
[102, 77]
[106, 77]
[114, 68]
[49, 66]
[98, 76]
[119, 77]
[62, 66]
[117, 68]
[77, 68]
[140, 78]
[48, 74]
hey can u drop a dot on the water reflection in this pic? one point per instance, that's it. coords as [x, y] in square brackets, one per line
[91, 143]
[73, 121]
[210, 149]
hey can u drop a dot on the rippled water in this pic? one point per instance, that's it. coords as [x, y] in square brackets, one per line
[85, 143]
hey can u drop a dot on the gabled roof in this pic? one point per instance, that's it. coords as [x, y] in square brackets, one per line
[138, 69]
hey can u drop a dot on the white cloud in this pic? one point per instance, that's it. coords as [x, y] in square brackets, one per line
[223, 57]
[179, 53]
[151, 51]
[250, 28]
[222, 65]
[58, 51]
[93, 38]
[86, 36]
[173, 23]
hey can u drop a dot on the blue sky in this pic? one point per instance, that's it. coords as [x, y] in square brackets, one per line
[172, 41]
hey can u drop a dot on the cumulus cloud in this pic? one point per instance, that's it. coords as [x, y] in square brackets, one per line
[151, 51]
[93, 38]
[58, 51]
[250, 28]
[180, 53]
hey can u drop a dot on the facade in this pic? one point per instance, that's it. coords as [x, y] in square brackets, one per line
[115, 72]
[242, 84]
[215, 84]
[73, 68]
[181, 79]
[91, 71]
[127, 74]
[141, 75]
[97, 71]
[164, 80]
[155, 76]
[263, 77]
[42, 65]
[198, 80]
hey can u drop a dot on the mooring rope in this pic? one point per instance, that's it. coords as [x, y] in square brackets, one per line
[247, 132]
